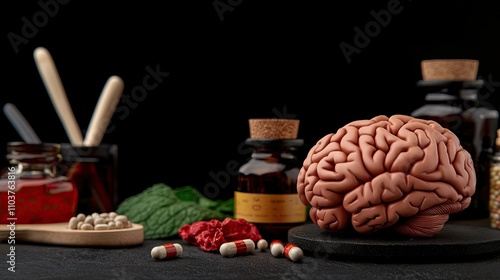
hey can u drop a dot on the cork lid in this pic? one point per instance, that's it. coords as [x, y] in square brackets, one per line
[450, 69]
[273, 128]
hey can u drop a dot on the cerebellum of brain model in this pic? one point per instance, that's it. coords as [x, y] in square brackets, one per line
[388, 173]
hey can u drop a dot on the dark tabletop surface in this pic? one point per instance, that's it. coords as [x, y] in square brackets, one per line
[40, 261]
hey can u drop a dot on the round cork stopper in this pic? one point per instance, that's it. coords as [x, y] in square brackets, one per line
[450, 69]
[273, 128]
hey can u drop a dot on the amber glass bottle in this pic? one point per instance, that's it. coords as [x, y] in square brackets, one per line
[31, 190]
[455, 105]
[266, 193]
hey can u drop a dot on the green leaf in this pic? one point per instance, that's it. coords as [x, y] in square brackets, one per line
[163, 210]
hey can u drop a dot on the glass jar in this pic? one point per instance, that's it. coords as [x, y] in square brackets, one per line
[31, 190]
[94, 170]
[455, 105]
[266, 192]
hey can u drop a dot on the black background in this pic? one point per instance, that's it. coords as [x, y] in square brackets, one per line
[254, 59]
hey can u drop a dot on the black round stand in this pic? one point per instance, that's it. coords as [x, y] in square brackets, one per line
[452, 242]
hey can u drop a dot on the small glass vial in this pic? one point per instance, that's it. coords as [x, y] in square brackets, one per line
[494, 202]
[266, 193]
[31, 191]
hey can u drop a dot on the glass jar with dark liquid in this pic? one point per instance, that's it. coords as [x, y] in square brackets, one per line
[266, 194]
[31, 190]
[455, 105]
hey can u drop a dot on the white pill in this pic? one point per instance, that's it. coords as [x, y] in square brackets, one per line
[121, 218]
[237, 247]
[166, 251]
[262, 244]
[87, 226]
[101, 227]
[112, 215]
[73, 223]
[104, 215]
[111, 225]
[81, 217]
[277, 248]
[99, 221]
[89, 220]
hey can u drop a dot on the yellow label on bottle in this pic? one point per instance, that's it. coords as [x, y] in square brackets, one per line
[269, 208]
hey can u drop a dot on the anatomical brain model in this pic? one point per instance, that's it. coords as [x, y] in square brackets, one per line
[397, 172]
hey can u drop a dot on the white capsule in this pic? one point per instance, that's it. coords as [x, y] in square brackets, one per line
[81, 217]
[89, 220]
[293, 253]
[73, 223]
[87, 226]
[166, 251]
[121, 218]
[277, 248]
[237, 247]
[101, 227]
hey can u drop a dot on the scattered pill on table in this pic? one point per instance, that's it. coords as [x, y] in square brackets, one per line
[237, 247]
[262, 244]
[166, 251]
[277, 248]
[293, 253]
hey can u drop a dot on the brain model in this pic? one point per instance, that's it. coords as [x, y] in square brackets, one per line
[397, 172]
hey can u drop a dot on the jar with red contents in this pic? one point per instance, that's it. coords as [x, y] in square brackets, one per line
[31, 190]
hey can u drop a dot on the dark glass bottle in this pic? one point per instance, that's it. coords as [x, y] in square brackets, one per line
[494, 204]
[474, 124]
[31, 190]
[266, 192]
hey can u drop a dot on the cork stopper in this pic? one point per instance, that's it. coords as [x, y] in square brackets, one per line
[273, 128]
[450, 69]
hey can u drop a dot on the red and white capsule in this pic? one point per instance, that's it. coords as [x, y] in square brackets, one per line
[293, 253]
[166, 251]
[238, 247]
[277, 248]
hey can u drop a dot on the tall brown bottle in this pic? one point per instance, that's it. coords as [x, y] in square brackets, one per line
[266, 193]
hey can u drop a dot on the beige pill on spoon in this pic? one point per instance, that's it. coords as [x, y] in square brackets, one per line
[101, 227]
[73, 223]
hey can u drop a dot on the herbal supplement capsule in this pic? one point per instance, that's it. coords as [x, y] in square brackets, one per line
[87, 226]
[237, 247]
[293, 253]
[73, 223]
[166, 251]
[81, 217]
[262, 244]
[101, 227]
[277, 248]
